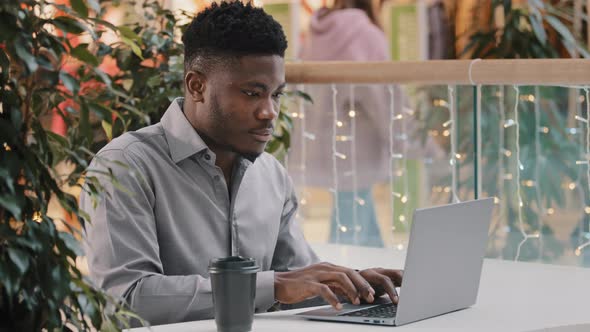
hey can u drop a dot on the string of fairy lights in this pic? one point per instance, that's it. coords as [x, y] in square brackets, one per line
[453, 138]
[335, 155]
[577, 134]
[398, 163]
[541, 211]
[403, 171]
[355, 198]
[519, 167]
[585, 161]
[398, 159]
[392, 118]
[338, 155]
[502, 152]
[305, 136]
[478, 160]
[576, 185]
[450, 131]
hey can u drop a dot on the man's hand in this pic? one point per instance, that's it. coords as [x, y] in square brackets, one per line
[384, 281]
[324, 279]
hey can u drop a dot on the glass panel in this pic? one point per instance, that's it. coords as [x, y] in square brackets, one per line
[391, 149]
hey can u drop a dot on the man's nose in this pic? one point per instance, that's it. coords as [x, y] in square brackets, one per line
[269, 110]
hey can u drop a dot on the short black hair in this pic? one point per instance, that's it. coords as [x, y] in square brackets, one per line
[231, 29]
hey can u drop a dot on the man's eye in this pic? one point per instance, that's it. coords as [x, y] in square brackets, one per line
[278, 95]
[250, 93]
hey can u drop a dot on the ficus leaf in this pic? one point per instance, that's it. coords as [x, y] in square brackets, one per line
[25, 55]
[69, 82]
[68, 25]
[81, 53]
[134, 47]
[19, 258]
[80, 7]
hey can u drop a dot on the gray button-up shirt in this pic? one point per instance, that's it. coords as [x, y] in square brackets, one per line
[153, 233]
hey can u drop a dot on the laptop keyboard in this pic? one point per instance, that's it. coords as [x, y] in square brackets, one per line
[382, 311]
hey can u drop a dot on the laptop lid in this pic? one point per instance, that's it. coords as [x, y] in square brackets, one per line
[444, 259]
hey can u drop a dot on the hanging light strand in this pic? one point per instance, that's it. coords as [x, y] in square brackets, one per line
[404, 171]
[501, 154]
[392, 119]
[335, 155]
[578, 250]
[478, 141]
[576, 183]
[519, 168]
[304, 139]
[587, 136]
[352, 115]
[453, 138]
[540, 159]
[519, 211]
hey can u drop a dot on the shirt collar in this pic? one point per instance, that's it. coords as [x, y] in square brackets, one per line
[183, 139]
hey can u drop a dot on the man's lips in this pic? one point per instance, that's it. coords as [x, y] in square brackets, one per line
[262, 135]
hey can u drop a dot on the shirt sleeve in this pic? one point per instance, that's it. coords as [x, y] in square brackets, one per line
[292, 250]
[121, 244]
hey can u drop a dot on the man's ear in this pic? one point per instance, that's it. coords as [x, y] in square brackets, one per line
[195, 84]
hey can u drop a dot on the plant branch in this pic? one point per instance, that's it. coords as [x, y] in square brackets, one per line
[26, 109]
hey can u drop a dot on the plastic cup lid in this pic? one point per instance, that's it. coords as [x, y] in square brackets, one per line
[233, 263]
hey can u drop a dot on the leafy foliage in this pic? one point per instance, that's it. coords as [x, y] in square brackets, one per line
[55, 60]
[539, 30]
[279, 145]
[49, 64]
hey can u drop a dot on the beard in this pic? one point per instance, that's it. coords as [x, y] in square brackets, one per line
[251, 156]
[219, 121]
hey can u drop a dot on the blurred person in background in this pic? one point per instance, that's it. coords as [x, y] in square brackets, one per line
[350, 31]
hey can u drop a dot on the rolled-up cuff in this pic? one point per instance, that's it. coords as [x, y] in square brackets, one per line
[265, 290]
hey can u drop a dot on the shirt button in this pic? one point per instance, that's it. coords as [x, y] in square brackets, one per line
[207, 157]
[216, 178]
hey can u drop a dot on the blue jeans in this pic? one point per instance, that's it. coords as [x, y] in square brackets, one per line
[369, 234]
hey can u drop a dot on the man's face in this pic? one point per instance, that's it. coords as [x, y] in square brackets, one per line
[241, 102]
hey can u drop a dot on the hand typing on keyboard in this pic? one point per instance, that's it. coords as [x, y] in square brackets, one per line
[328, 280]
[384, 281]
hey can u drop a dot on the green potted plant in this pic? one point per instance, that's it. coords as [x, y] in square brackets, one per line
[54, 62]
[41, 286]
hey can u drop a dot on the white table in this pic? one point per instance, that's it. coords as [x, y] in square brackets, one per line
[512, 297]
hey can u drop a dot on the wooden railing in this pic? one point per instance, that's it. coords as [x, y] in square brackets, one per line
[486, 72]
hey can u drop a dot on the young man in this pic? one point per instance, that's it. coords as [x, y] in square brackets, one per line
[199, 186]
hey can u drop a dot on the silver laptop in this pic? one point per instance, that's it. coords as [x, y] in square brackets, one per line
[443, 267]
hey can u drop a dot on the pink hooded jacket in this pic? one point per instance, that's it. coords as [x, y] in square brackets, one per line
[348, 35]
[345, 34]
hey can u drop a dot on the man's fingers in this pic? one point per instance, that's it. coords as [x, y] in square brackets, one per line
[387, 284]
[341, 280]
[380, 279]
[396, 278]
[395, 275]
[326, 293]
[363, 287]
